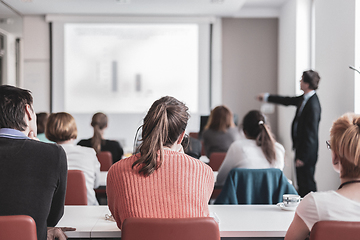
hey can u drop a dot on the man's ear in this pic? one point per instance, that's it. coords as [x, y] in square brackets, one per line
[28, 112]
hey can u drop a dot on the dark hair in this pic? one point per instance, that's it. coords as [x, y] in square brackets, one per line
[163, 124]
[312, 78]
[13, 102]
[255, 127]
[220, 119]
[61, 127]
[41, 120]
[99, 121]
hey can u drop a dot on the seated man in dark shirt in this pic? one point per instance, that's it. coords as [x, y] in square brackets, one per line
[32, 173]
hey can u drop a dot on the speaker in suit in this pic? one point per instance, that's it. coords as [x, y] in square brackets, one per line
[305, 129]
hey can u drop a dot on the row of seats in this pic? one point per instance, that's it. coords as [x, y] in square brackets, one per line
[19, 227]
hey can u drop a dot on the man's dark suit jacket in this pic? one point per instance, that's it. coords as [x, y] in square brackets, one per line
[305, 138]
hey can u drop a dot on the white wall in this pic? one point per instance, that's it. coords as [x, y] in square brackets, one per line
[286, 80]
[9, 59]
[334, 52]
[249, 63]
[37, 61]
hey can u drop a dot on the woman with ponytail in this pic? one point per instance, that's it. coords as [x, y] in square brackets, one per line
[160, 181]
[98, 143]
[258, 150]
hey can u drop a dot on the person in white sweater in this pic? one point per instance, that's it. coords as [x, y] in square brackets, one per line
[256, 151]
[61, 128]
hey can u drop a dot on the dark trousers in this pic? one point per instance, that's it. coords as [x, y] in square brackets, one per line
[305, 180]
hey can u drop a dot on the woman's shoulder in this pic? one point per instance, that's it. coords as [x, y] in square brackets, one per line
[125, 163]
[279, 146]
[183, 157]
[111, 142]
[314, 198]
[85, 142]
[85, 150]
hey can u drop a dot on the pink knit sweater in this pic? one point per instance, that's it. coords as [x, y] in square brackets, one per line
[180, 188]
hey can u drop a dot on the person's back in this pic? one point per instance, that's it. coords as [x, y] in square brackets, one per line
[180, 188]
[220, 131]
[84, 159]
[257, 150]
[99, 122]
[161, 180]
[106, 145]
[33, 174]
[61, 128]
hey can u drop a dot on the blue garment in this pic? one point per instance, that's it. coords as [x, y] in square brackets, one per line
[12, 133]
[255, 186]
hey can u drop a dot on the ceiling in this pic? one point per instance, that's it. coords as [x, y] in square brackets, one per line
[141, 7]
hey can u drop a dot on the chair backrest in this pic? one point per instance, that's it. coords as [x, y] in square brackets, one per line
[194, 135]
[255, 186]
[204, 228]
[216, 159]
[76, 193]
[331, 230]
[17, 227]
[105, 159]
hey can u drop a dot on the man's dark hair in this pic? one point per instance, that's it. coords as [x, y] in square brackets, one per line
[312, 78]
[13, 102]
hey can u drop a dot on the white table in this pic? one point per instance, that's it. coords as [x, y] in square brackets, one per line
[234, 221]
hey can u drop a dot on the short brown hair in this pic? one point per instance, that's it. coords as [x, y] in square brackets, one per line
[345, 142]
[41, 119]
[312, 78]
[61, 127]
[220, 119]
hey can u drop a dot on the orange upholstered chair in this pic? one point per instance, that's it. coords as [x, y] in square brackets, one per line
[105, 159]
[334, 230]
[17, 227]
[204, 228]
[194, 135]
[216, 159]
[76, 193]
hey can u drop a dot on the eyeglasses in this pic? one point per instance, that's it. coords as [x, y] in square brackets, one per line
[328, 145]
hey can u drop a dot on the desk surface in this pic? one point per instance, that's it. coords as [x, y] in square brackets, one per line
[234, 221]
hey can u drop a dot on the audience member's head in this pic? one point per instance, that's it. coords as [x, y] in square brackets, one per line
[164, 125]
[99, 122]
[221, 118]
[61, 127]
[15, 104]
[255, 127]
[41, 120]
[345, 144]
[312, 78]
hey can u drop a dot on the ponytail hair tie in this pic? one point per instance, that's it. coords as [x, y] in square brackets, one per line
[261, 122]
